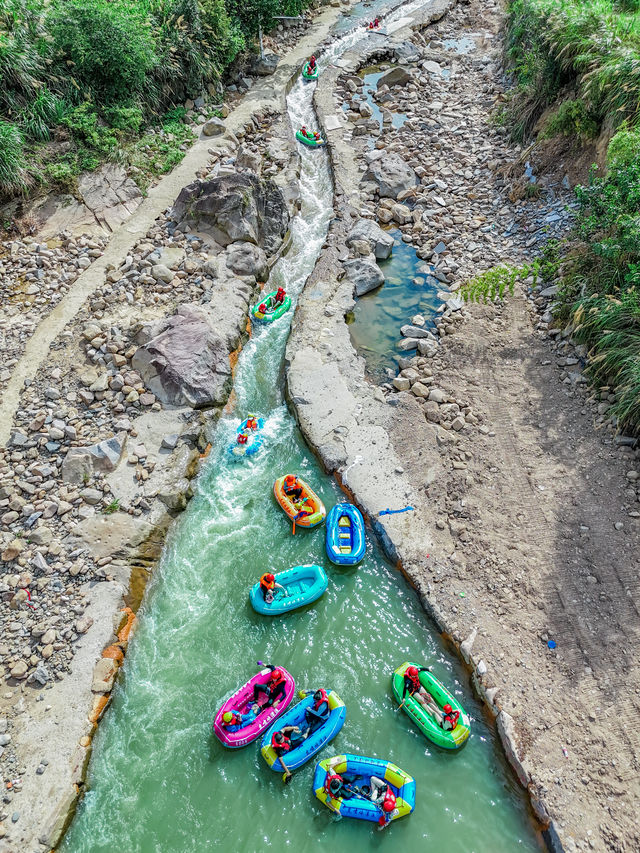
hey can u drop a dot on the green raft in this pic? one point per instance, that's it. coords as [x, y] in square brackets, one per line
[312, 143]
[271, 313]
[309, 75]
[424, 720]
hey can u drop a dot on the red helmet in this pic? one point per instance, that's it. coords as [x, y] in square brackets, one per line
[269, 577]
[412, 671]
[448, 709]
[276, 674]
[262, 308]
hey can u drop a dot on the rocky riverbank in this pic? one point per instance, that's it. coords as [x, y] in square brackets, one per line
[523, 531]
[108, 429]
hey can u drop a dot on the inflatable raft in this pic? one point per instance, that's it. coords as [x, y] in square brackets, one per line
[314, 742]
[253, 442]
[309, 75]
[274, 311]
[303, 585]
[425, 722]
[308, 500]
[345, 541]
[242, 700]
[312, 143]
[359, 806]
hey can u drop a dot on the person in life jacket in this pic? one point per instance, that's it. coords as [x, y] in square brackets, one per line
[413, 688]
[304, 131]
[318, 713]
[252, 422]
[242, 438]
[282, 742]
[234, 720]
[262, 308]
[273, 691]
[268, 585]
[291, 487]
[280, 295]
[312, 64]
[450, 718]
[383, 796]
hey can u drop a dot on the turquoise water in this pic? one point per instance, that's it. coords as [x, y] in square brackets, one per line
[379, 315]
[159, 781]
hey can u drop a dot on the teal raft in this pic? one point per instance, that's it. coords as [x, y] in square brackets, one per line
[311, 141]
[309, 75]
[302, 585]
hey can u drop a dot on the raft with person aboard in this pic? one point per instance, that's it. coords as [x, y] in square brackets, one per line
[271, 308]
[242, 701]
[422, 718]
[312, 140]
[307, 510]
[317, 739]
[308, 73]
[249, 438]
[302, 585]
[360, 769]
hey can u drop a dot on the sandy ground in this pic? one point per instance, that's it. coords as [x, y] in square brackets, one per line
[545, 549]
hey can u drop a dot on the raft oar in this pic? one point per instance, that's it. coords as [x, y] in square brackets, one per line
[400, 706]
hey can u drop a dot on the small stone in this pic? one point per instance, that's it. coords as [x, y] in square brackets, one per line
[19, 669]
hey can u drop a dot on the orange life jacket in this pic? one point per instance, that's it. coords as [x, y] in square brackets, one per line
[451, 718]
[284, 745]
[266, 584]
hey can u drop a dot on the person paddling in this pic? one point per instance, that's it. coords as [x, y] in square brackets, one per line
[267, 586]
[284, 741]
[383, 796]
[292, 487]
[281, 294]
[273, 691]
[318, 713]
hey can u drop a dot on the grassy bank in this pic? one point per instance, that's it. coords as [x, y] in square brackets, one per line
[82, 80]
[583, 58]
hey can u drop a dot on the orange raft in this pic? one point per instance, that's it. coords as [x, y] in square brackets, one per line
[307, 510]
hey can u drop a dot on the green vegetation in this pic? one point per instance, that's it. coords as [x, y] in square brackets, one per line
[96, 73]
[112, 507]
[590, 49]
[495, 282]
[591, 46]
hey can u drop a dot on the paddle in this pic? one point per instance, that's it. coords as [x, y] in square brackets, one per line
[400, 706]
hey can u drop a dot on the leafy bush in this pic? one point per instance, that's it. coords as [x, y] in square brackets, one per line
[12, 165]
[571, 119]
[86, 126]
[495, 282]
[106, 47]
[63, 175]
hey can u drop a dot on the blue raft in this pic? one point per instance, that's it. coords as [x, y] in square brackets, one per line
[315, 742]
[254, 439]
[345, 540]
[358, 806]
[303, 585]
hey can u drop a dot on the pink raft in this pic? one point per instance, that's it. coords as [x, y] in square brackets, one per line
[241, 700]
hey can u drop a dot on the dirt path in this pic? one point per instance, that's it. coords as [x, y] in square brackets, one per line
[547, 550]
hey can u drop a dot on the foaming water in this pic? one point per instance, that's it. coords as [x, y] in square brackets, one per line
[159, 782]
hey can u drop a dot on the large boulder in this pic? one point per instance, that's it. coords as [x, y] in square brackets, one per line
[392, 175]
[237, 207]
[82, 462]
[186, 362]
[380, 242]
[365, 274]
[406, 52]
[398, 76]
[265, 65]
[247, 259]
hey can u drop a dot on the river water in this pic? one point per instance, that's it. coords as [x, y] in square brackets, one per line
[159, 781]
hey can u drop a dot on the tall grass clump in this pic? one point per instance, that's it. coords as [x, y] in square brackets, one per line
[593, 45]
[12, 165]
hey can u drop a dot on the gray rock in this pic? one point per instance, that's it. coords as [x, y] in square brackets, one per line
[247, 259]
[415, 332]
[263, 66]
[427, 347]
[91, 496]
[395, 77]
[81, 462]
[364, 273]
[169, 441]
[405, 52]
[161, 273]
[214, 127]
[392, 175]
[41, 675]
[187, 360]
[401, 383]
[438, 395]
[237, 207]
[380, 242]
[176, 495]
[247, 159]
